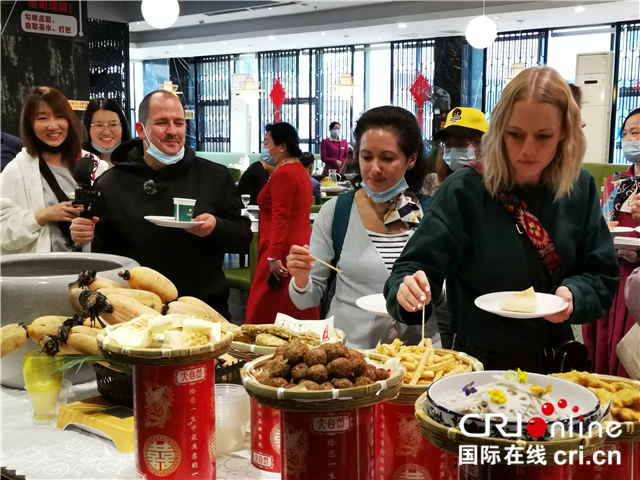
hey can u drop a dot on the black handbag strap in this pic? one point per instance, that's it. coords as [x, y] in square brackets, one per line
[51, 180]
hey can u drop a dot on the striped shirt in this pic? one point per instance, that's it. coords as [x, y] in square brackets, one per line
[390, 246]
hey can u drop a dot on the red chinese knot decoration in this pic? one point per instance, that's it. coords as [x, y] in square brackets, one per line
[421, 91]
[278, 96]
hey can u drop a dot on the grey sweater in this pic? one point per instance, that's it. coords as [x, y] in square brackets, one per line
[363, 273]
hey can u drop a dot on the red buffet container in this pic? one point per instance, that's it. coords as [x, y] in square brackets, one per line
[265, 437]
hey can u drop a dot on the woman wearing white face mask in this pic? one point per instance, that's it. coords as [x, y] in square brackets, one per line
[459, 139]
[372, 225]
[602, 337]
[333, 150]
[107, 127]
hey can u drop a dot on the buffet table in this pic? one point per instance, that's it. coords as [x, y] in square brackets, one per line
[45, 452]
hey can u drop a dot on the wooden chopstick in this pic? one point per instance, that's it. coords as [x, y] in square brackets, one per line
[325, 263]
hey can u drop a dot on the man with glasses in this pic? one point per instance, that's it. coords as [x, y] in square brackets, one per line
[148, 173]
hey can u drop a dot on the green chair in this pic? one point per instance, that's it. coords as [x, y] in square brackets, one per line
[235, 174]
[315, 208]
[241, 278]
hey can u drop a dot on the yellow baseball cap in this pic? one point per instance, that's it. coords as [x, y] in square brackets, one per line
[463, 122]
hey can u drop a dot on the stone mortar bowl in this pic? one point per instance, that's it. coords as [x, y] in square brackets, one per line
[37, 284]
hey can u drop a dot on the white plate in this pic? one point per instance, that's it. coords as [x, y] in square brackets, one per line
[374, 304]
[170, 222]
[253, 208]
[547, 305]
[627, 243]
[333, 189]
[617, 231]
[638, 229]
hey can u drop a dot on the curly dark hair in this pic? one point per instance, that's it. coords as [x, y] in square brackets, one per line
[404, 125]
[285, 133]
[333, 124]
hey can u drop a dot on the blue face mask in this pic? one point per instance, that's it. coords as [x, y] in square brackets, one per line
[265, 155]
[387, 195]
[335, 133]
[457, 158]
[99, 149]
[161, 156]
[631, 151]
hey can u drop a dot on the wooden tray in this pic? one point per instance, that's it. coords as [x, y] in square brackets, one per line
[318, 400]
[157, 357]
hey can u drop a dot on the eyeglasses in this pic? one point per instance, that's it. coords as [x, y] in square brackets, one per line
[111, 125]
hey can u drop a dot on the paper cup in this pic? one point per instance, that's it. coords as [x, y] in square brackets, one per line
[183, 209]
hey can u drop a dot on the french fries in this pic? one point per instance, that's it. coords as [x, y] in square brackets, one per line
[422, 363]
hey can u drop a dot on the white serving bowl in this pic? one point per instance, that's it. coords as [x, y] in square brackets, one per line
[575, 395]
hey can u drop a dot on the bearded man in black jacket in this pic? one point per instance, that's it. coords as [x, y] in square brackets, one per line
[148, 173]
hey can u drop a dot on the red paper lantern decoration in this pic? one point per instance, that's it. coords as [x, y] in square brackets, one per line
[278, 96]
[421, 92]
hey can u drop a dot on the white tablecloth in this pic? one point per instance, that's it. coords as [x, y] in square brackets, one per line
[45, 452]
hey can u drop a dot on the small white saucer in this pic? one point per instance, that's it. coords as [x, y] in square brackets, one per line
[171, 222]
[374, 304]
[546, 305]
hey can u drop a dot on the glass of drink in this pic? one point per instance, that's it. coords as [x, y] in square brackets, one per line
[246, 198]
[43, 388]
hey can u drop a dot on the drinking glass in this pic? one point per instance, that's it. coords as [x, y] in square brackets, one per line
[246, 198]
[333, 177]
[43, 388]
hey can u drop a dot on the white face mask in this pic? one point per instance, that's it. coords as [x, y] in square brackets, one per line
[631, 151]
[99, 149]
[457, 157]
[162, 157]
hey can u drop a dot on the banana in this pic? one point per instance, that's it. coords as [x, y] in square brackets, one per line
[184, 308]
[215, 316]
[125, 309]
[74, 294]
[100, 282]
[145, 278]
[83, 343]
[52, 348]
[12, 338]
[47, 325]
[85, 330]
[149, 299]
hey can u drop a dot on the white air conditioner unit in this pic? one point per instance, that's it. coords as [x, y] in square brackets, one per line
[244, 119]
[594, 76]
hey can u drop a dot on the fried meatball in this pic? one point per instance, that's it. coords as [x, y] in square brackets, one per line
[371, 372]
[362, 381]
[280, 350]
[338, 351]
[317, 373]
[326, 386]
[290, 385]
[315, 356]
[299, 372]
[309, 385]
[342, 383]
[277, 382]
[278, 367]
[339, 368]
[358, 364]
[295, 352]
[381, 374]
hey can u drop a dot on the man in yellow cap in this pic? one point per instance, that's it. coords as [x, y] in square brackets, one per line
[460, 139]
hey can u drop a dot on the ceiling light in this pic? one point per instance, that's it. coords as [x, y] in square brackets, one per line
[322, 33]
[481, 32]
[378, 38]
[270, 8]
[181, 47]
[137, 23]
[224, 43]
[495, 18]
[402, 25]
[160, 13]
[580, 9]
[250, 89]
[272, 37]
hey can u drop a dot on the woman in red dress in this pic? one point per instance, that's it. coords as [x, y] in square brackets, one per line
[285, 205]
[603, 336]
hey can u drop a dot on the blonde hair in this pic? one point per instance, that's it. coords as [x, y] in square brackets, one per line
[543, 85]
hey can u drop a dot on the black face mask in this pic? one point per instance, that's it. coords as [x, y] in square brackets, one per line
[43, 147]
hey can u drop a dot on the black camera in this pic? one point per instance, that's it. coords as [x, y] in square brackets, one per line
[86, 195]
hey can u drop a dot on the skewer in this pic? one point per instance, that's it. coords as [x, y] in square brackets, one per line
[325, 263]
